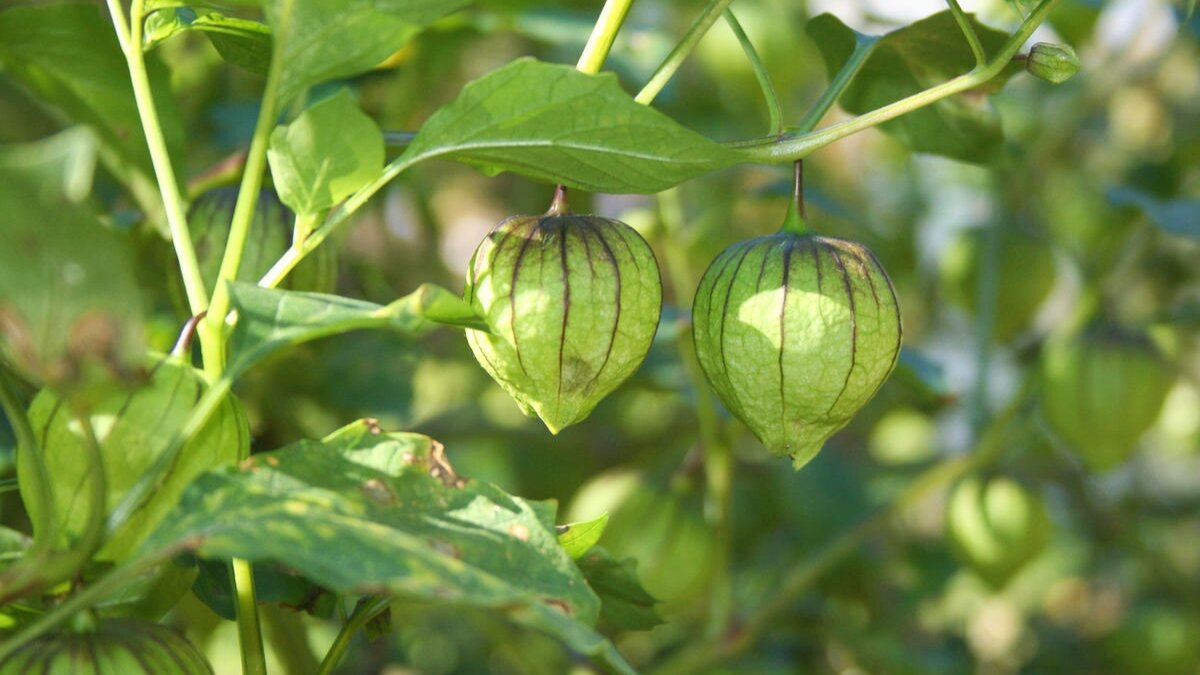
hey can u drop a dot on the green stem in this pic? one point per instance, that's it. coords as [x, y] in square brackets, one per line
[243, 210]
[129, 35]
[682, 50]
[603, 35]
[364, 612]
[93, 594]
[863, 47]
[985, 321]
[29, 458]
[774, 111]
[707, 655]
[254, 660]
[288, 636]
[718, 454]
[790, 147]
[968, 31]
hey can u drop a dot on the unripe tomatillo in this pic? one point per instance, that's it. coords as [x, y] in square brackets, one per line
[572, 303]
[796, 332]
[112, 647]
[996, 526]
[1053, 63]
[1101, 391]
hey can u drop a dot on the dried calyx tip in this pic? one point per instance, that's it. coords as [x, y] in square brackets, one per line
[559, 205]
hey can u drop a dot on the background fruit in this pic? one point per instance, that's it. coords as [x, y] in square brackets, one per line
[1101, 391]
[996, 526]
[796, 333]
[113, 647]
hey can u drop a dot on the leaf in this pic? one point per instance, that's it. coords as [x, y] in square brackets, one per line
[62, 165]
[330, 151]
[924, 375]
[553, 123]
[416, 530]
[624, 603]
[269, 319]
[273, 584]
[68, 54]
[242, 42]
[578, 538]
[321, 40]
[1176, 216]
[133, 429]
[910, 60]
[70, 308]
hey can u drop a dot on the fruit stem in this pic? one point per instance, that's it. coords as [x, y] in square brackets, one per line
[559, 205]
[795, 220]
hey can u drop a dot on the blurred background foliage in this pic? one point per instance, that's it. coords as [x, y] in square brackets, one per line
[1096, 199]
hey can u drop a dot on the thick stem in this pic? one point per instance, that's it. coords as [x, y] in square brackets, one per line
[774, 110]
[682, 50]
[254, 660]
[603, 35]
[129, 35]
[791, 147]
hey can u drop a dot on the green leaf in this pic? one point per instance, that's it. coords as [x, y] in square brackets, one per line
[68, 54]
[624, 603]
[62, 165]
[70, 308]
[1176, 216]
[242, 42]
[270, 319]
[578, 538]
[330, 151]
[553, 123]
[416, 530]
[924, 375]
[133, 430]
[910, 60]
[326, 39]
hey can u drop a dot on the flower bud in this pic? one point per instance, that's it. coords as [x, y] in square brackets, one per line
[1101, 391]
[572, 303]
[1053, 63]
[795, 333]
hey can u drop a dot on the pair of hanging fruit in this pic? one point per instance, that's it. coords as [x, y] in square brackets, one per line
[795, 332]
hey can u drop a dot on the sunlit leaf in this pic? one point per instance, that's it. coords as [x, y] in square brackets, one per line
[578, 538]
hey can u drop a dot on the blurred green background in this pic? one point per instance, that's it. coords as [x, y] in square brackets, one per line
[1098, 186]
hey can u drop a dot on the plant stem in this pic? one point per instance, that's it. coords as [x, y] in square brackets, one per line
[129, 35]
[682, 50]
[243, 210]
[985, 321]
[964, 23]
[603, 35]
[863, 46]
[254, 661]
[364, 612]
[790, 147]
[44, 531]
[709, 654]
[718, 454]
[774, 111]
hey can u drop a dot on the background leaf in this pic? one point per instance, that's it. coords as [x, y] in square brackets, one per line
[63, 165]
[624, 603]
[326, 39]
[326, 154]
[912, 59]
[578, 538]
[1177, 216]
[553, 123]
[242, 42]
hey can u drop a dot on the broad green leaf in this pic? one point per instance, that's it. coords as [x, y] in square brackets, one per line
[133, 430]
[242, 42]
[553, 123]
[330, 151]
[62, 165]
[321, 40]
[69, 56]
[1177, 216]
[70, 308]
[624, 603]
[579, 538]
[416, 530]
[270, 319]
[910, 60]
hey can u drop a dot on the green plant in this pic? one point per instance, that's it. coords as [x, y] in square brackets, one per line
[192, 200]
[109, 646]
